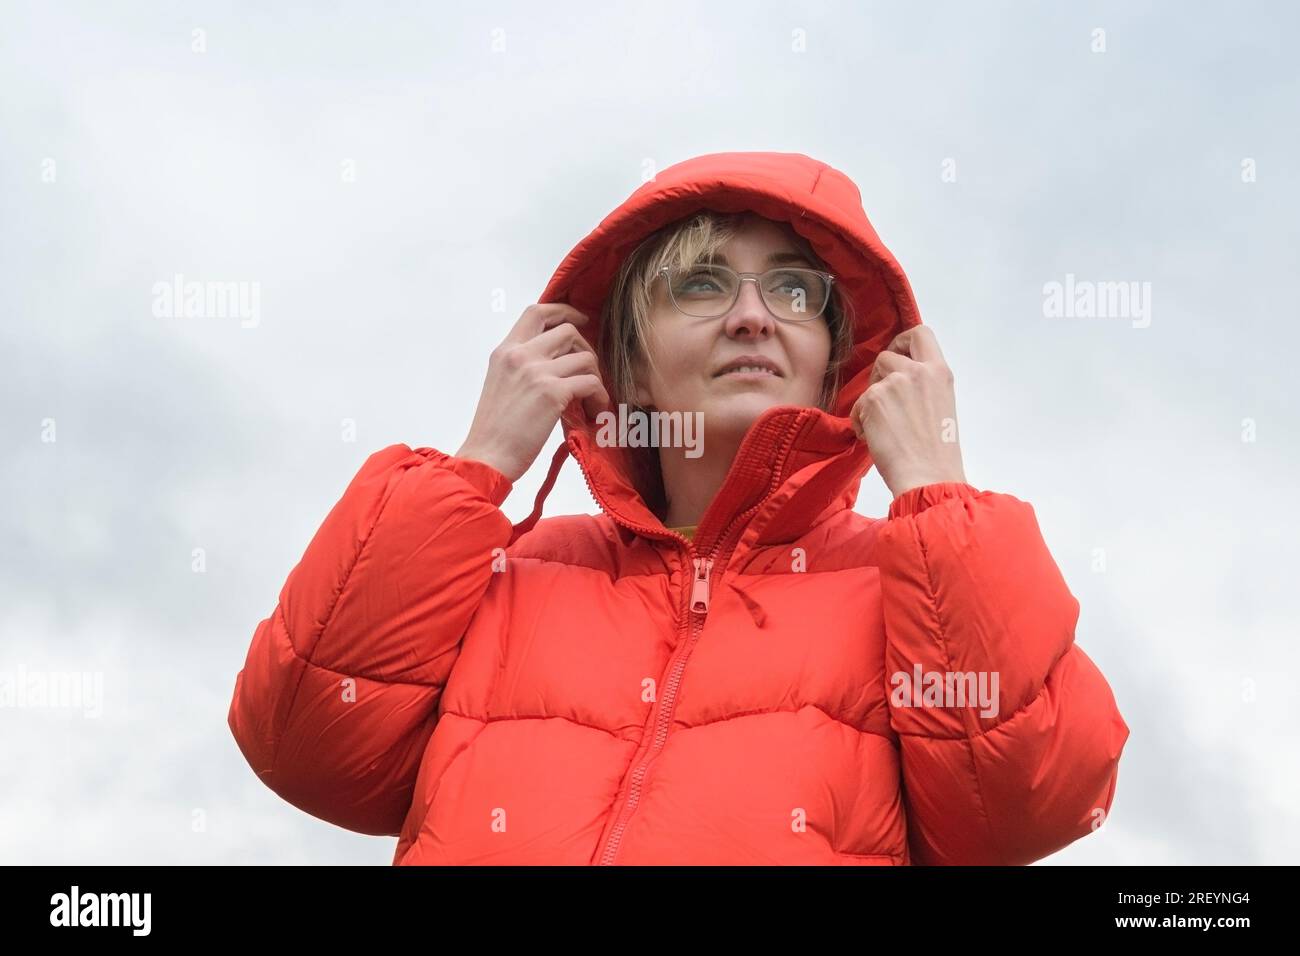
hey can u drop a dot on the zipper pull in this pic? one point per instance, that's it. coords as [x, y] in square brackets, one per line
[700, 587]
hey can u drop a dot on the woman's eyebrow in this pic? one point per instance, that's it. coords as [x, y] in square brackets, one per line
[775, 259]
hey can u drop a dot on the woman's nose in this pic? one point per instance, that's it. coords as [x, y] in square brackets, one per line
[749, 317]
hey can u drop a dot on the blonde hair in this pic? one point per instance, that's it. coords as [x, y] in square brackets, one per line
[625, 313]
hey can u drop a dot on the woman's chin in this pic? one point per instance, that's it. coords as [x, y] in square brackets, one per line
[737, 412]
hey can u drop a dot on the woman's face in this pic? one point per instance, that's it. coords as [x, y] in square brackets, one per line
[690, 354]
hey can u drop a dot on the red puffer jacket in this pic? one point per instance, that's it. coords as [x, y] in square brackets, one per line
[597, 689]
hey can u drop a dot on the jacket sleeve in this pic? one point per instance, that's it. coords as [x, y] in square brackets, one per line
[969, 587]
[339, 692]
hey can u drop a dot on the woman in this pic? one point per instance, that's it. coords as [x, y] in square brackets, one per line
[727, 664]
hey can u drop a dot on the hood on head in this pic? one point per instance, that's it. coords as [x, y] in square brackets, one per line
[819, 202]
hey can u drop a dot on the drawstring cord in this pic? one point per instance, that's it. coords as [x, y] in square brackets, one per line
[556, 461]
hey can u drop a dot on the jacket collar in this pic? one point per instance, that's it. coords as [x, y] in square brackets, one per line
[794, 467]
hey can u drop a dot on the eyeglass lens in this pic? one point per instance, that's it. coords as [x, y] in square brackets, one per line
[708, 291]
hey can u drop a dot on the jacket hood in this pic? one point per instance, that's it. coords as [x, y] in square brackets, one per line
[822, 205]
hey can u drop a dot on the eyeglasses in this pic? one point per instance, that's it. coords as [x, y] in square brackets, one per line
[707, 291]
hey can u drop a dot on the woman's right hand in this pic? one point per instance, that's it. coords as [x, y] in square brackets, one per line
[542, 365]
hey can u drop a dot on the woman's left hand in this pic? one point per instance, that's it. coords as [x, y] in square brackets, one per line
[908, 414]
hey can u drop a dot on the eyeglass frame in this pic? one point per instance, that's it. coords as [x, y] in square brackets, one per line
[742, 277]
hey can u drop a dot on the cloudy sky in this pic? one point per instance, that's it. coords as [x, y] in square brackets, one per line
[380, 171]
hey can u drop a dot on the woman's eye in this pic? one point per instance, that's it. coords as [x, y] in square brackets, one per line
[788, 284]
[700, 282]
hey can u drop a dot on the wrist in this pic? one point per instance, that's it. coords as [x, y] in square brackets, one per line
[487, 457]
[912, 482]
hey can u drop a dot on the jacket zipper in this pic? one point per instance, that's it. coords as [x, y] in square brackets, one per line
[700, 586]
[698, 603]
[699, 606]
